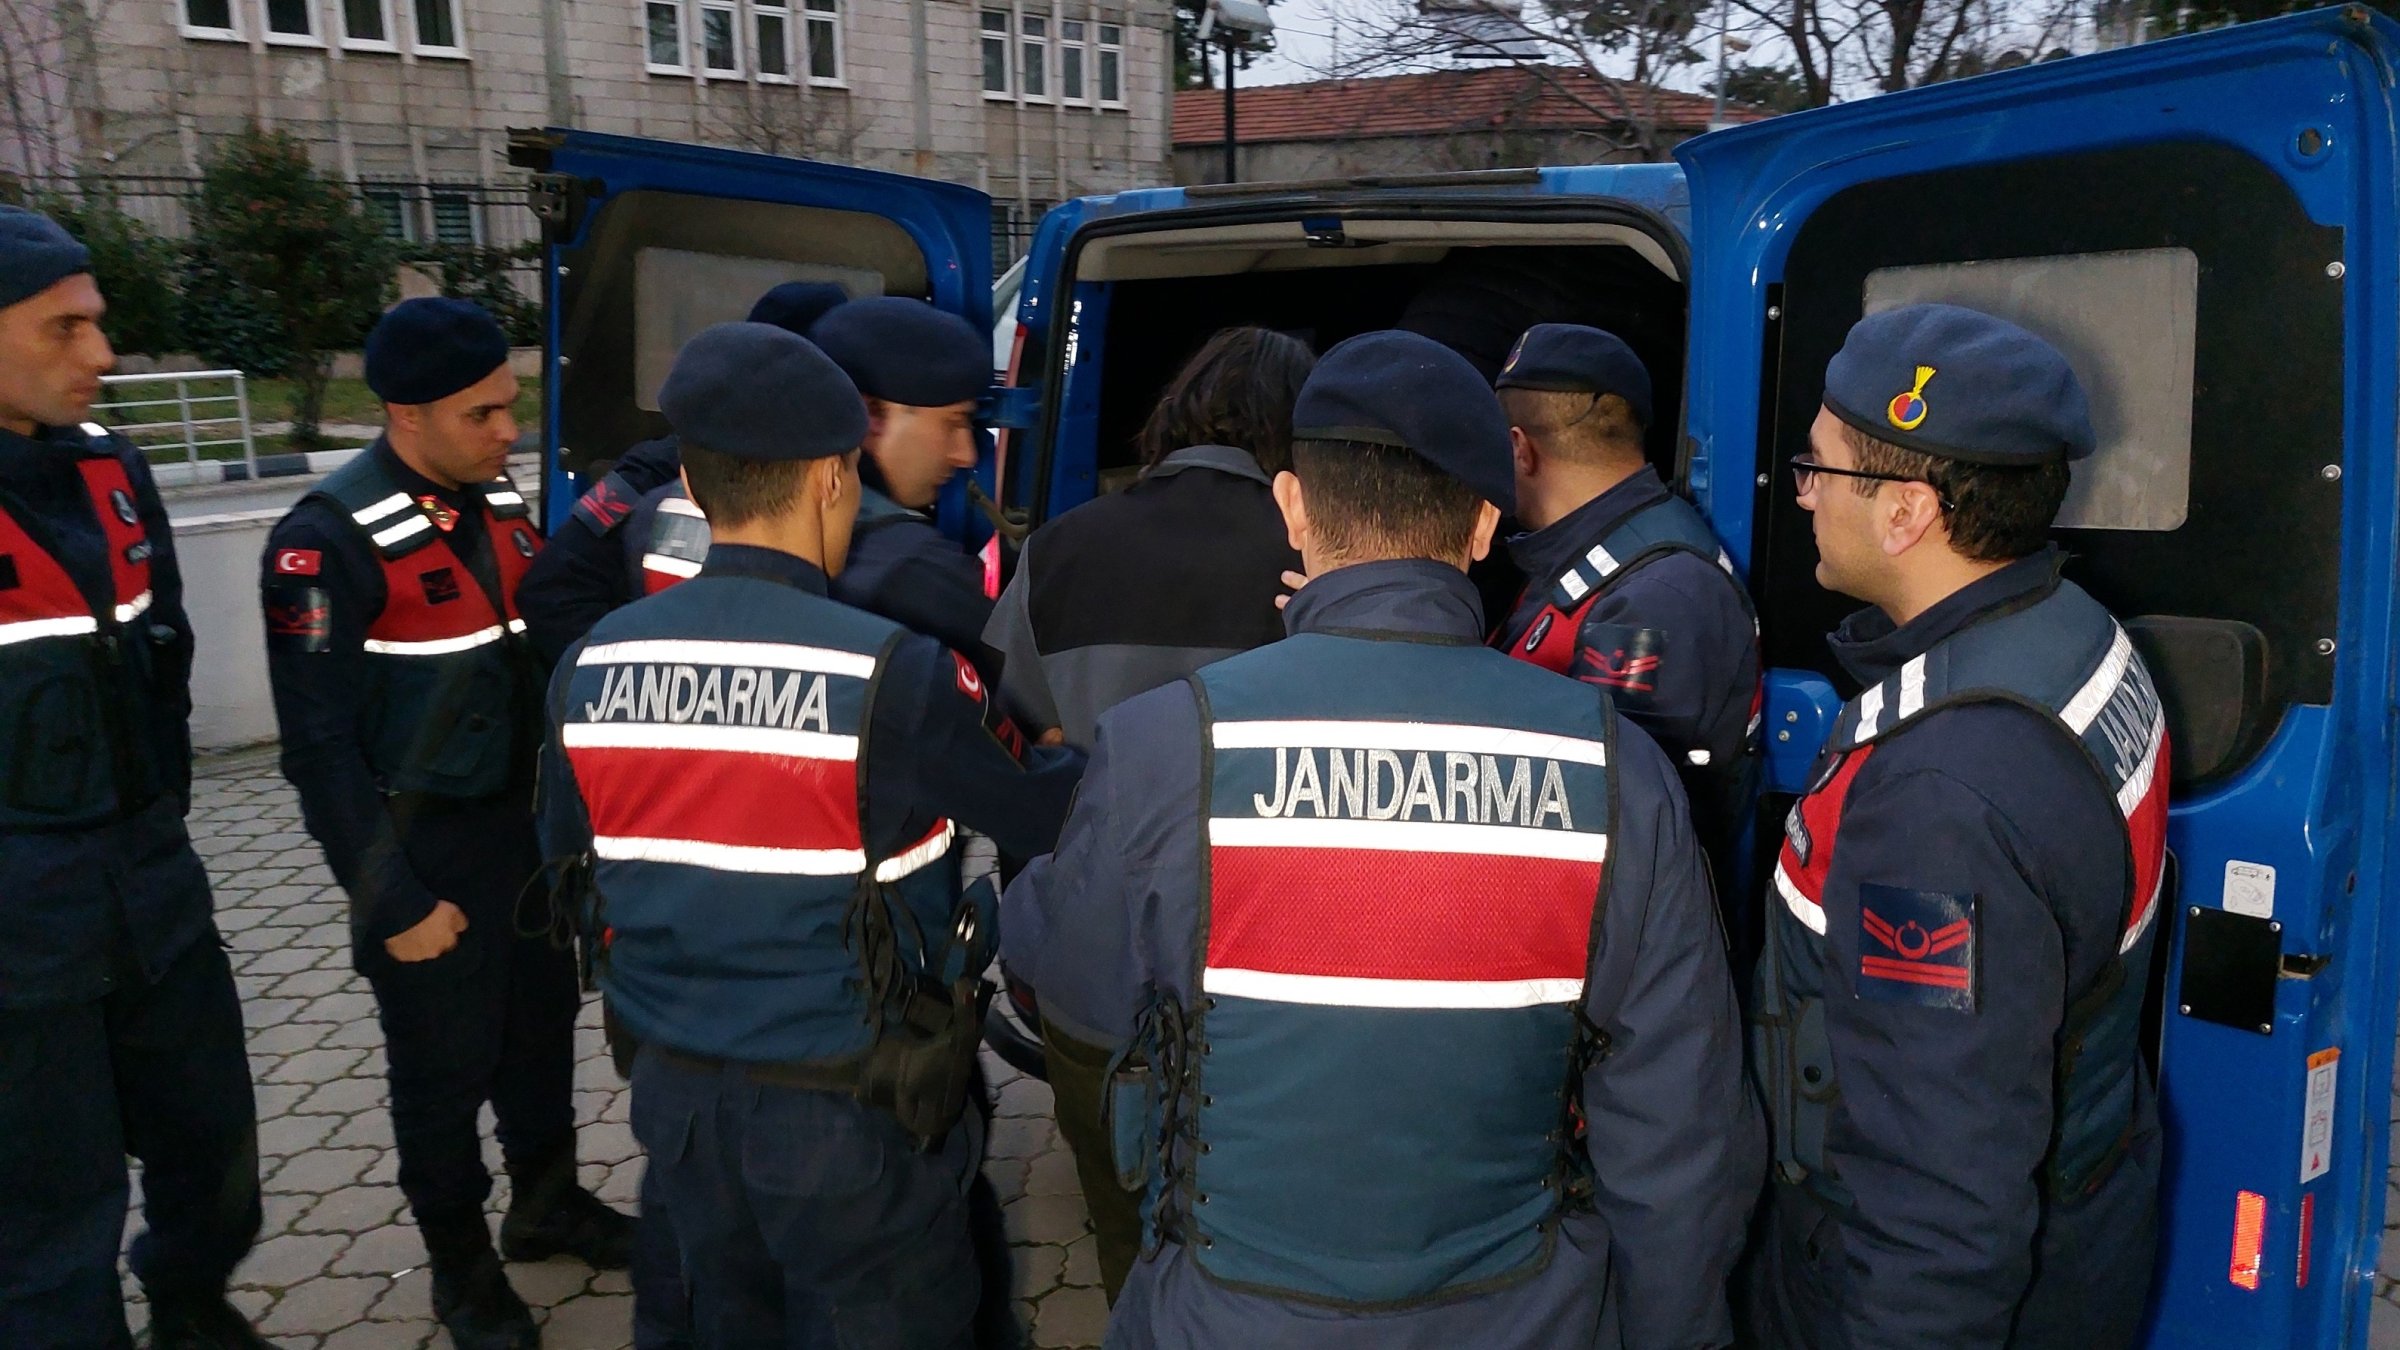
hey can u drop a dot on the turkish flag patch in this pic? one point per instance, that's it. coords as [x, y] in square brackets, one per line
[299, 562]
[970, 680]
[1917, 947]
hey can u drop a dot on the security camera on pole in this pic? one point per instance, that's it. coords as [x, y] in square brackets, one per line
[1235, 23]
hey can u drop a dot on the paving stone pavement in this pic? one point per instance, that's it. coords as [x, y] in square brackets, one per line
[338, 1266]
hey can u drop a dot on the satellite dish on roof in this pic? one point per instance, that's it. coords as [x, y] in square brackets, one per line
[1483, 30]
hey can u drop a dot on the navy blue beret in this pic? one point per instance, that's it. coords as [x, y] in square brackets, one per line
[1959, 384]
[35, 255]
[754, 391]
[1570, 358]
[1411, 392]
[423, 351]
[795, 306]
[906, 351]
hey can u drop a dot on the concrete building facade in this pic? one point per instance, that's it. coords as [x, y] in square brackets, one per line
[1031, 100]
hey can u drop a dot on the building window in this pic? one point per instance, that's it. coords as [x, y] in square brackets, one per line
[1033, 44]
[663, 20]
[367, 24]
[824, 42]
[720, 43]
[438, 29]
[209, 19]
[390, 209]
[995, 52]
[771, 31]
[1111, 64]
[291, 21]
[1070, 60]
[454, 219]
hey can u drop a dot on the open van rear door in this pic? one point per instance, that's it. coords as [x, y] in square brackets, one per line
[2206, 227]
[647, 242]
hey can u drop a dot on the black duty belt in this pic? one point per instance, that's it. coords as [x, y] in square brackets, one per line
[830, 1075]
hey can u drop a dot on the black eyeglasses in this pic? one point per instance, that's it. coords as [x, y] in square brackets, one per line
[1805, 471]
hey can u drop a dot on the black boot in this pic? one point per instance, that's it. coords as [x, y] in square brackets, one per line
[183, 1322]
[472, 1298]
[550, 1215]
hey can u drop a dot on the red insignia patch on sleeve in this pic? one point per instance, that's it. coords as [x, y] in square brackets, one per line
[1616, 656]
[1916, 947]
[970, 680]
[299, 562]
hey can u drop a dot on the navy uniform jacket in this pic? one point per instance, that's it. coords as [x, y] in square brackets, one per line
[579, 576]
[477, 854]
[1680, 607]
[1945, 1114]
[904, 569]
[934, 747]
[79, 909]
[1673, 1133]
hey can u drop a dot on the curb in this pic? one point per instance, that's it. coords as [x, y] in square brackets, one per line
[291, 464]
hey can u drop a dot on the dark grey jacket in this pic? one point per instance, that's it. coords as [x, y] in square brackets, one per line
[1141, 588]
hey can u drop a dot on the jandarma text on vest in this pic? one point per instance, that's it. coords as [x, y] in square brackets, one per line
[745, 696]
[1461, 784]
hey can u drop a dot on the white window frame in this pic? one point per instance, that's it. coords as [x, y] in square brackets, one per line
[233, 17]
[1006, 36]
[683, 44]
[400, 196]
[433, 218]
[811, 19]
[1081, 49]
[1101, 49]
[793, 51]
[457, 50]
[389, 42]
[314, 37]
[1040, 45]
[734, 16]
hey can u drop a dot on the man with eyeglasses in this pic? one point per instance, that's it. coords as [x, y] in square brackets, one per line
[1947, 1013]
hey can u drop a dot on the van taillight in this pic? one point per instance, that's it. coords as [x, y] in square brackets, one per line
[2249, 1237]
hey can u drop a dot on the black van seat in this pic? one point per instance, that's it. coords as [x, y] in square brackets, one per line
[2212, 676]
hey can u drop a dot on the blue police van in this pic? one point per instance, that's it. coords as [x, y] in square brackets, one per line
[2209, 227]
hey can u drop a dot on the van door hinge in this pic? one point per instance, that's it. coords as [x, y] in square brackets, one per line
[559, 200]
[1010, 408]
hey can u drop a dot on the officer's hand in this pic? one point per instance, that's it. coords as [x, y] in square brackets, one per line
[1054, 736]
[1293, 581]
[435, 934]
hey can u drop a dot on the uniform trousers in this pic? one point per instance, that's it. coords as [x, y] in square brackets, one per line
[807, 1219]
[157, 1070]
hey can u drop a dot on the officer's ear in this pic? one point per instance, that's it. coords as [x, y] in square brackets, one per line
[1522, 449]
[1294, 505]
[1910, 514]
[1487, 524]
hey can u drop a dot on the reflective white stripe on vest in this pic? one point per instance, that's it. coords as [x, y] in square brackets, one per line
[1575, 584]
[134, 608]
[674, 567]
[2137, 784]
[483, 637]
[704, 652]
[785, 862]
[2134, 934]
[407, 529]
[1602, 559]
[718, 739]
[94, 429]
[1347, 991]
[28, 630]
[507, 496]
[2094, 695]
[1804, 909]
[1870, 712]
[1408, 836]
[1698, 759]
[681, 506]
[1912, 687]
[389, 506]
[1431, 736]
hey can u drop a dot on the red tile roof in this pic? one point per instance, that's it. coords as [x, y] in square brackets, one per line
[1446, 102]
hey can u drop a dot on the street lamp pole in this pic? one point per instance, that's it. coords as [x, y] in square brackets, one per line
[1231, 173]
